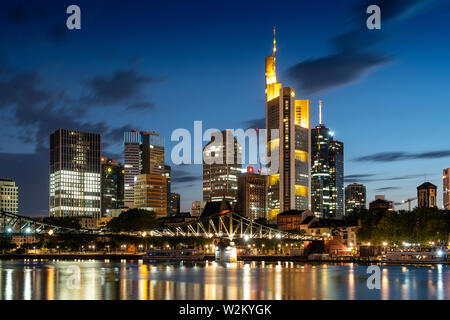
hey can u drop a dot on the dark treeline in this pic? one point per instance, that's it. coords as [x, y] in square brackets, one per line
[422, 225]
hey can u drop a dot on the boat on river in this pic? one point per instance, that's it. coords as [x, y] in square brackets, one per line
[417, 254]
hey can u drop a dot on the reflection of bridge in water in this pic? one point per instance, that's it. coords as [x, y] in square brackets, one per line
[223, 225]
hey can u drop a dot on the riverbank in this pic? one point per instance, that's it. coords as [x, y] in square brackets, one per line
[208, 257]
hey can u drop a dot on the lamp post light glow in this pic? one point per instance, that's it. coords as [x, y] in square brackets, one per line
[50, 232]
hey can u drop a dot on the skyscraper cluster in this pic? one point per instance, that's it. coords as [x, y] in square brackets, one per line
[310, 174]
[85, 184]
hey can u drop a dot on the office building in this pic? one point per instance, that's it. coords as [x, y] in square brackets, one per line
[112, 183]
[446, 189]
[327, 172]
[75, 174]
[252, 195]
[426, 195]
[336, 161]
[355, 198]
[144, 154]
[289, 188]
[9, 196]
[173, 204]
[150, 193]
[168, 175]
[222, 161]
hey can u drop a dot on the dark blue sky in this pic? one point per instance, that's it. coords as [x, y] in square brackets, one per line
[158, 65]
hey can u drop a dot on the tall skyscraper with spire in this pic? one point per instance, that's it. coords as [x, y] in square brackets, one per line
[327, 172]
[289, 188]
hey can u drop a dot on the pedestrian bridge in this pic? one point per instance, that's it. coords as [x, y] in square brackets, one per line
[222, 225]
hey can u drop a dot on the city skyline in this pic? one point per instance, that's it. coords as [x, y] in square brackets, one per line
[197, 72]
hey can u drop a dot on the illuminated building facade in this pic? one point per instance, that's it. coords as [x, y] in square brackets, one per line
[327, 173]
[75, 174]
[112, 185]
[9, 196]
[426, 195]
[150, 193]
[168, 175]
[144, 154]
[289, 188]
[221, 168]
[252, 195]
[355, 198]
[446, 188]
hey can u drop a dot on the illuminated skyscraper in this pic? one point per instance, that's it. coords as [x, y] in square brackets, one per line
[144, 154]
[75, 174]
[446, 188]
[9, 196]
[222, 161]
[150, 193]
[327, 173]
[289, 188]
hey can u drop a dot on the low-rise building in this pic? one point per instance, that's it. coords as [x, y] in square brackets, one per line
[197, 208]
[379, 204]
[182, 217]
[291, 220]
[334, 229]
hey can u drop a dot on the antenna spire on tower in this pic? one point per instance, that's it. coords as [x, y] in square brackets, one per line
[320, 112]
[274, 43]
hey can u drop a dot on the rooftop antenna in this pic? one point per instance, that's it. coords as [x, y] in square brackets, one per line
[274, 43]
[320, 112]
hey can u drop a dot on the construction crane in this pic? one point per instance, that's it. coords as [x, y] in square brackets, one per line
[409, 202]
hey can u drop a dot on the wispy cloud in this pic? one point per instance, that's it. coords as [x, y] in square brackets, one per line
[354, 178]
[397, 156]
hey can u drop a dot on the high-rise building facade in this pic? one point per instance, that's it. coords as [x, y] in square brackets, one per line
[144, 154]
[252, 195]
[75, 174]
[222, 161]
[426, 195]
[168, 175]
[173, 207]
[355, 198]
[327, 173]
[9, 196]
[289, 188]
[150, 193]
[112, 192]
[446, 189]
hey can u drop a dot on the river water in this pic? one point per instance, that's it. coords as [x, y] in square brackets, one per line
[91, 280]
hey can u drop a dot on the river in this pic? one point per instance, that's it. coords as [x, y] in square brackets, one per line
[95, 279]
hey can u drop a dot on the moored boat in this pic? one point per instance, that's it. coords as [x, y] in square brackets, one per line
[417, 254]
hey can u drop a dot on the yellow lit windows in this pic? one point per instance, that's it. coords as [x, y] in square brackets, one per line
[274, 179]
[301, 190]
[301, 155]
